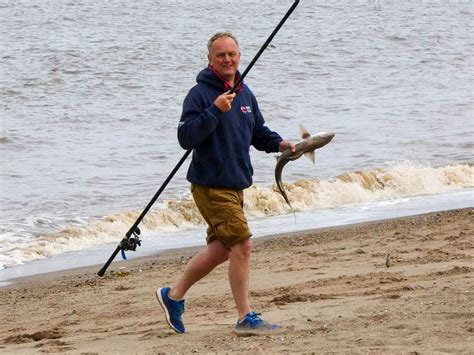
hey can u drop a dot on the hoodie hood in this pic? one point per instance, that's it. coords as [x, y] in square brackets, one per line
[211, 77]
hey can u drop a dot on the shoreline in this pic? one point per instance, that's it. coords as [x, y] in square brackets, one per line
[184, 252]
[308, 220]
[329, 288]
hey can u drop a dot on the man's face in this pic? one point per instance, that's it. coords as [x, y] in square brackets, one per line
[224, 57]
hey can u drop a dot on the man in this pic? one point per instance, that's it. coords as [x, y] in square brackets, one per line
[220, 128]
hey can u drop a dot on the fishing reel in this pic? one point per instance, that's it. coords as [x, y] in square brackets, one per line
[131, 242]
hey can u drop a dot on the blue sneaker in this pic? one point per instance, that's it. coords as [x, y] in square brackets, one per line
[252, 324]
[173, 309]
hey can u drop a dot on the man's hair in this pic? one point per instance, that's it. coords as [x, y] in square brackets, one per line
[220, 35]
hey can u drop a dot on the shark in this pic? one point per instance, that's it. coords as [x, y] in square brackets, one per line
[307, 147]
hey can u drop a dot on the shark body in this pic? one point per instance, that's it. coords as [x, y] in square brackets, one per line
[306, 146]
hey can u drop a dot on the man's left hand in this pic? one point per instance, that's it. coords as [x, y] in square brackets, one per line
[284, 145]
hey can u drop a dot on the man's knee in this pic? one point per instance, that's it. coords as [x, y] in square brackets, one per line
[242, 249]
[218, 252]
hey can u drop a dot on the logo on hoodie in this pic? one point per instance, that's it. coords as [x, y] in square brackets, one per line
[246, 109]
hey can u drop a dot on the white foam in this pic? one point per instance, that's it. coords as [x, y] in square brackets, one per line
[384, 186]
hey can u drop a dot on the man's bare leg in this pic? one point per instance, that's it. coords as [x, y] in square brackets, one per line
[239, 275]
[199, 266]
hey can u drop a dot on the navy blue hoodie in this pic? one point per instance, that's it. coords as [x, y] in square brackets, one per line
[221, 140]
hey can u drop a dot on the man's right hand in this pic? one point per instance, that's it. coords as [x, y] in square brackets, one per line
[224, 101]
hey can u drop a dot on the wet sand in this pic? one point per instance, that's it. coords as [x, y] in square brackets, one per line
[330, 289]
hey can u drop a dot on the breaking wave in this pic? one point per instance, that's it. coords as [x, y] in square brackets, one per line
[400, 180]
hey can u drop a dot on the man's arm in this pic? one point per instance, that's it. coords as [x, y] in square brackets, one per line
[197, 123]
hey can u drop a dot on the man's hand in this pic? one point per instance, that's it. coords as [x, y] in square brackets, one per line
[224, 101]
[284, 145]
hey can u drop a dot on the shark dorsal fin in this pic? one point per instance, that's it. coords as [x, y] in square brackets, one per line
[304, 135]
[304, 132]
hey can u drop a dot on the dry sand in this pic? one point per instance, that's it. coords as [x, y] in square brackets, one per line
[330, 289]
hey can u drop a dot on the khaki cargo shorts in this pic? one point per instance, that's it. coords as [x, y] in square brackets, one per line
[223, 211]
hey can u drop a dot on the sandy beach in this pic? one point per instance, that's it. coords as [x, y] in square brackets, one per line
[331, 290]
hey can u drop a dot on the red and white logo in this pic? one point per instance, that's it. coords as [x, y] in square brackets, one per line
[246, 109]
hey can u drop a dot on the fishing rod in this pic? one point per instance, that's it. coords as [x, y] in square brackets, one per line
[132, 237]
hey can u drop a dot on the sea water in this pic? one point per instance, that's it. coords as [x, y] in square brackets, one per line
[91, 94]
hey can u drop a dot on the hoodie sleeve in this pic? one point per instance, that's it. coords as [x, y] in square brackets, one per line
[197, 120]
[263, 138]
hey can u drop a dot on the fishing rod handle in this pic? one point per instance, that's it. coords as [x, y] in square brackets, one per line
[144, 212]
[112, 257]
